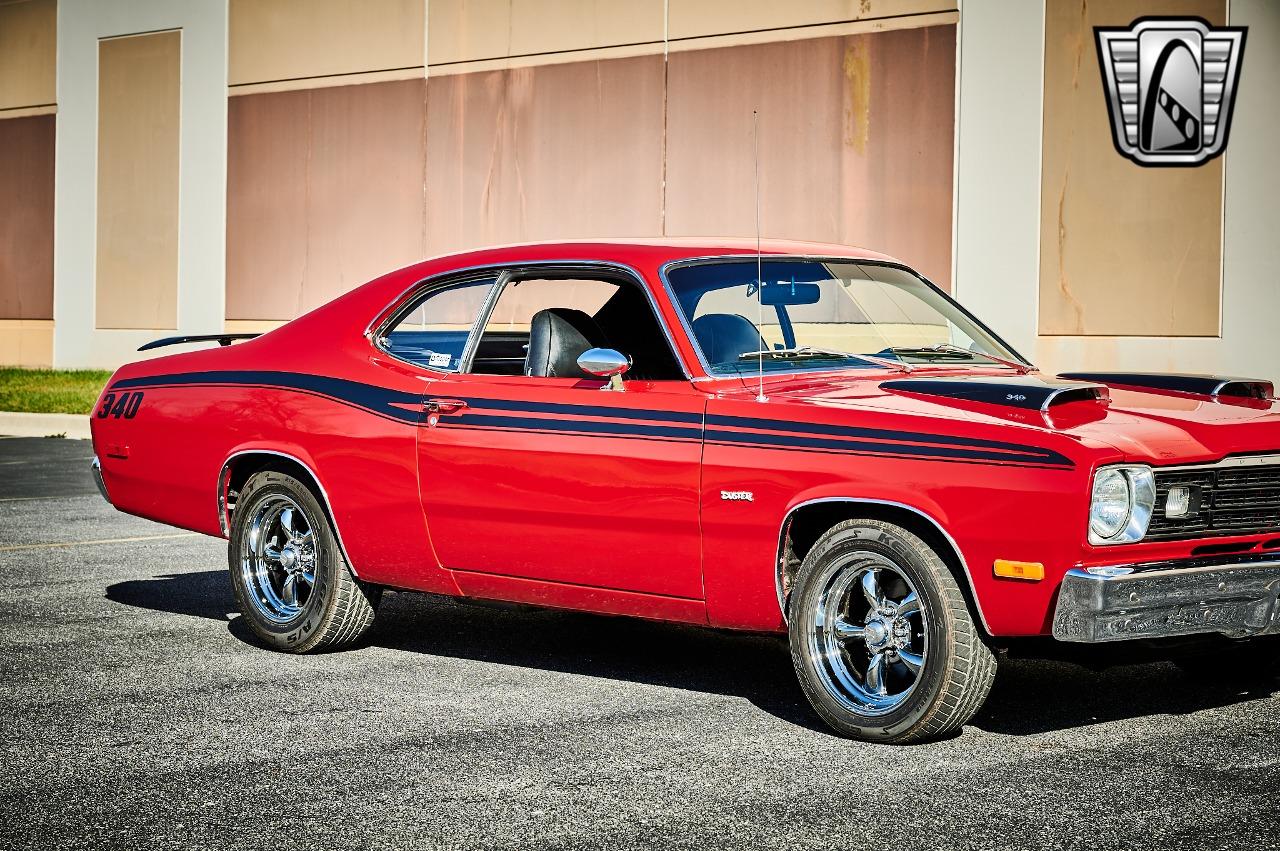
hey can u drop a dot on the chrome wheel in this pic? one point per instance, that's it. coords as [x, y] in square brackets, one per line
[278, 557]
[869, 641]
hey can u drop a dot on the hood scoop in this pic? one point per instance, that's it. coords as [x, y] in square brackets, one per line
[1030, 392]
[1199, 385]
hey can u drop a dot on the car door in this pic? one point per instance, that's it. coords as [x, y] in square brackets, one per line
[552, 478]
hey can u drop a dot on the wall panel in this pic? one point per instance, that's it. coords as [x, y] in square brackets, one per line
[26, 217]
[137, 227]
[1124, 250]
[697, 18]
[549, 152]
[324, 192]
[856, 142]
[471, 30]
[273, 40]
[28, 53]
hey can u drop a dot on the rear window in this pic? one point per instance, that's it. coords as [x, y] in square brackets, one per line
[433, 332]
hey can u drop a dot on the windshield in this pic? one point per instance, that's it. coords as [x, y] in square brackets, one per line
[823, 314]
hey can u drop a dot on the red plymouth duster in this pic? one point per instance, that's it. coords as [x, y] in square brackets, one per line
[810, 440]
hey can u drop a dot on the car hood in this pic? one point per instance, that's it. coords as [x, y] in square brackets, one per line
[1141, 425]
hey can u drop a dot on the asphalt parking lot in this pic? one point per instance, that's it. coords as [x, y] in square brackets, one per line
[138, 711]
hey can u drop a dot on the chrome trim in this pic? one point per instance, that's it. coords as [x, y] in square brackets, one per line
[472, 342]
[1140, 513]
[1235, 598]
[884, 635]
[603, 363]
[786, 523]
[328, 503]
[1270, 387]
[819, 258]
[1102, 396]
[1228, 462]
[96, 467]
[389, 310]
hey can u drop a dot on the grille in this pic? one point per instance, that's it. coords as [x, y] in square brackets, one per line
[1233, 501]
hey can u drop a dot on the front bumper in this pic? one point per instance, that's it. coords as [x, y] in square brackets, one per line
[97, 479]
[1239, 599]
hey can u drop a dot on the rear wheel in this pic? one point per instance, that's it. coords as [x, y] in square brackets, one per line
[881, 637]
[291, 581]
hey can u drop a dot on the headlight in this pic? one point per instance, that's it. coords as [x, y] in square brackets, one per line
[1123, 499]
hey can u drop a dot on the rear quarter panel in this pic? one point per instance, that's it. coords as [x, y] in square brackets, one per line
[201, 408]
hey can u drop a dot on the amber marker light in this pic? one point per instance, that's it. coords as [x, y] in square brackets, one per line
[1030, 570]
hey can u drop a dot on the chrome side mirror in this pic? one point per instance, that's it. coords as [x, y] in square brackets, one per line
[605, 363]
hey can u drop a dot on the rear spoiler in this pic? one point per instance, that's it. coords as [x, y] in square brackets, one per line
[223, 340]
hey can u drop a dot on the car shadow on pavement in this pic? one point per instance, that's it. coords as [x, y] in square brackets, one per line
[1029, 697]
[754, 667]
[1039, 696]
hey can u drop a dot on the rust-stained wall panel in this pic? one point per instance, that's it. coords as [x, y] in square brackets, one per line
[324, 192]
[547, 152]
[26, 217]
[856, 142]
[137, 234]
[470, 30]
[28, 53]
[1124, 250]
[271, 40]
[365, 194]
[267, 141]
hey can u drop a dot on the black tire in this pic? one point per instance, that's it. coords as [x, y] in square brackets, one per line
[334, 609]
[956, 667]
[1253, 661]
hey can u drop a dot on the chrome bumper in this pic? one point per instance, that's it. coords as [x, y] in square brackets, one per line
[96, 466]
[1237, 599]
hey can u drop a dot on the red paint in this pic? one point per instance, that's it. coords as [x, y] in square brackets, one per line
[634, 526]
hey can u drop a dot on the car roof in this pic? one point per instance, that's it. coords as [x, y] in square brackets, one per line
[646, 249]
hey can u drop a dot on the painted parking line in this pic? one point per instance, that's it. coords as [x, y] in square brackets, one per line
[100, 541]
[40, 498]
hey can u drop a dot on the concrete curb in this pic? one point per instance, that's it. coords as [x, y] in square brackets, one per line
[14, 424]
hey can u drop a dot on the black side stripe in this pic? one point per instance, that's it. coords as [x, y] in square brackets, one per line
[577, 426]
[378, 400]
[873, 447]
[405, 407]
[584, 410]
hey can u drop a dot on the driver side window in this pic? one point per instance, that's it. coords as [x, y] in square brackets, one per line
[540, 326]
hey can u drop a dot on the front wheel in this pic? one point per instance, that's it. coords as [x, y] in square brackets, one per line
[293, 585]
[881, 638]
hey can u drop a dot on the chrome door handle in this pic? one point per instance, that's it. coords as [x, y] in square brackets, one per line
[444, 406]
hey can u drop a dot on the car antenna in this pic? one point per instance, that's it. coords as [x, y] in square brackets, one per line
[755, 164]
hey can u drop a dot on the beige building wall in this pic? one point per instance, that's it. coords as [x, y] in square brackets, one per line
[1124, 249]
[294, 44]
[324, 192]
[544, 119]
[1007, 219]
[163, 271]
[137, 227]
[545, 152]
[856, 142]
[360, 140]
[28, 103]
[28, 57]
